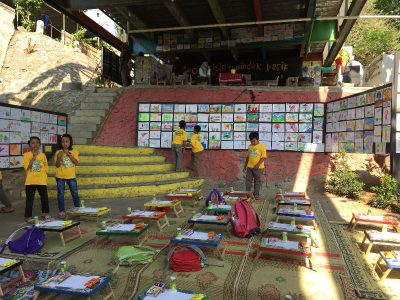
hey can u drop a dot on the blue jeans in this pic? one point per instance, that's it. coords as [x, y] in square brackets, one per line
[73, 187]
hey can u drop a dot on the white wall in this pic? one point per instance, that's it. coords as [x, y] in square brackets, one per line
[7, 15]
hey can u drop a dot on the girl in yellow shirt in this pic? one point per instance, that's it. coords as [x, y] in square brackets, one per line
[66, 160]
[197, 149]
[36, 167]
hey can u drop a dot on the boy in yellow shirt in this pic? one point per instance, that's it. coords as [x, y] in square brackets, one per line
[4, 199]
[66, 160]
[254, 165]
[197, 149]
[36, 167]
[180, 137]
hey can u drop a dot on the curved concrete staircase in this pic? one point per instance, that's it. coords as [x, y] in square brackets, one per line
[110, 173]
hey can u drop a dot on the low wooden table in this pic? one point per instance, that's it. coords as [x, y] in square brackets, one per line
[291, 195]
[210, 220]
[175, 205]
[247, 195]
[59, 227]
[200, 239]
[299, 213]
[306, 231]
[75, 286]
[186, 194]
[392, 261]
[140, 234]
[291, 248]
[148, 216]
[379, 220]
[292, 201]
[13, 263]
[219, 209]
[93, 212]
[378, 237]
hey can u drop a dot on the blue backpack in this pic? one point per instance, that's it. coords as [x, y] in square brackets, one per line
[32, 241]
[215, 197]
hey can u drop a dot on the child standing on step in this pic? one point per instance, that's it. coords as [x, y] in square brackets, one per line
[66, 160]
[180, 137]
[36, 167]
[197, 149]
[254, 165]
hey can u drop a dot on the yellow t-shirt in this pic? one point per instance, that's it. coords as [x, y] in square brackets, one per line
[180, 136]
[37, 175]
[196, 144]
[255, 154]
[67, 170]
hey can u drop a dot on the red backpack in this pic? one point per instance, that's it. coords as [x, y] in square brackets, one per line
[186, 259]
[244, 219]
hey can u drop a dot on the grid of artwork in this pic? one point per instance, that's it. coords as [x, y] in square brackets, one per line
[360, 123]
[281, 126]
[18, 124]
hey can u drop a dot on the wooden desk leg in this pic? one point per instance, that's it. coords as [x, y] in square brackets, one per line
[258, 254]
[354, 225]
[221, 254]
[385, 274]
[145, 237]
[377, 263]
[277, 219]
[62, 239]
[1, 292]
[315, 224]
[21, 271]
[110, 294]
[79, 230]
[166, 223]
[313, 242]
[369, 248]
[350, 223]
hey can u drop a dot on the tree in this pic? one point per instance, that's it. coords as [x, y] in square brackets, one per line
[389, 7]
[28, 9]
[371, 38]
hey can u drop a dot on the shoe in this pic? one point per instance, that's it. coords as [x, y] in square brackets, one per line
[61, 214]
[47, 218]
[30, 220]
[6, 209]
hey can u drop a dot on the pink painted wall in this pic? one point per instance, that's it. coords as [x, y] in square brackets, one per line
[220, 165]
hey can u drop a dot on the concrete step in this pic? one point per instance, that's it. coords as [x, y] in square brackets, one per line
[81, 127]
[81, 134]
[108, 90]
[126, 169]
[86, 120]
[131, 191]
[91, 113]
[120, 159]
[99, 99]
[96, 105]
[123, 180]
[82, 141]
[114, 150]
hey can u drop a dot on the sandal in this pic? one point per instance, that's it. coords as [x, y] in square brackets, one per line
[61, 214]
[6, 209]
[47, 218]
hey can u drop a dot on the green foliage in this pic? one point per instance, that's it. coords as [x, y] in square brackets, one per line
[28, 9]
[372, 37]
[343, 181]
[389, 7]
[386, 193]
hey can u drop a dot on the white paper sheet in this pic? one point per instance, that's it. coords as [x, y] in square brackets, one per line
[288, 227]
[276, 243]
[206, 218]
[372, 218]
[73, 282]
[188, 190]
[56, 223]
[121, 227]
[160, 202]
[196, 235]
[170, 295]
[142, 213]
[294, 212]
[293, 200]
[177, 195]
[4, 261]
[88, 210]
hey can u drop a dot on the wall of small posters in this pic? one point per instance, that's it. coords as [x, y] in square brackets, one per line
[18, 123]
[281, 126]
[360, 123]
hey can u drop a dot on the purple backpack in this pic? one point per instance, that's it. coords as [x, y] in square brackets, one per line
[215, 197]
[32, 241]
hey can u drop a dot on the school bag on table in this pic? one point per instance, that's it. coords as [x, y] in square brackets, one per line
[32, 241]
[215, 197]
[244, 219]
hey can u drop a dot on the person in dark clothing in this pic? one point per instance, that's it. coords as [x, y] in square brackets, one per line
[124, 60]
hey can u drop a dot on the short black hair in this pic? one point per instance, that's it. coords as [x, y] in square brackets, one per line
[34, 138]
[71, 141]
[254, 135]
[182, 124]
[196, 128]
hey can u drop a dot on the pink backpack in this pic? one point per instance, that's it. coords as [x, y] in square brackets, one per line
[244, 219]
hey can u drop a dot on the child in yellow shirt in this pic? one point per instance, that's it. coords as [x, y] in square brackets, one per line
[180, 137]
[66, 160]
[197, 149]
[254, 165]
[36, 167]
